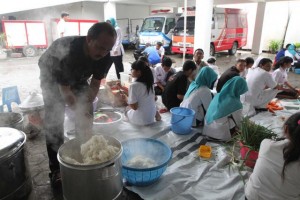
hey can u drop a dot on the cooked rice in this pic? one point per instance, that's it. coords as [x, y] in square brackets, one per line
[141, 162]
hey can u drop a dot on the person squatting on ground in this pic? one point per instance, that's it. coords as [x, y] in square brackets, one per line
[276, 173]
[262, 87]
[141, 97]
[162, 73]
[177, 87]
[199, 96]
[160, 50]
[231, 72]
[65, 68]
[117, 51]
[152, 54]
[224, 113]
[281, 77]
[249, 64]
[291, 52]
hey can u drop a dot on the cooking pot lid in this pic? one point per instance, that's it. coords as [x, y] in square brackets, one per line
[9, 118]
[33, 101]
[10, 141]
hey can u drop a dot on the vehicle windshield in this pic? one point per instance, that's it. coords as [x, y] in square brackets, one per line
[154, 24]
[190, 26]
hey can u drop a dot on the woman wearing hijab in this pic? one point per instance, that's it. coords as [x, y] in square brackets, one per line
[291, 52]
[224, 113]
[117, 51]
[199, 96]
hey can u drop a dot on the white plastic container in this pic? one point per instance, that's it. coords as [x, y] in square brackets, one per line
[126, 79]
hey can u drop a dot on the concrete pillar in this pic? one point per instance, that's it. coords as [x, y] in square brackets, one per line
[258, 28]
[204, 11]
[110, 10]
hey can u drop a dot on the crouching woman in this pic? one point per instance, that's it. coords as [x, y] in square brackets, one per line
[276, 174]
[141, 97]
[224, 113]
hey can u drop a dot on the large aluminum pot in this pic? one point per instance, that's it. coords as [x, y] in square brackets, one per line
[11, 119]
[15, 181]
[93, 182]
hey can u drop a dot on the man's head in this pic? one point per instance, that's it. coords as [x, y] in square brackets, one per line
[65, 16]
[189, 67]
[198, 55]
[249, 62]
[158, 45]
[211, 60]
[265, 64]
[166, 64]
[100, 39]
[240, 65]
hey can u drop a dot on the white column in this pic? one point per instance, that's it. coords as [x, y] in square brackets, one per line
[258, 28]
[204, 11]
[110, 10]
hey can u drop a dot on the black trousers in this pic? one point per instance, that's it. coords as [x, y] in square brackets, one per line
[118, 61]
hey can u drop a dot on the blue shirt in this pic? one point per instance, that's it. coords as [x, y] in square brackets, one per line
[153, 55]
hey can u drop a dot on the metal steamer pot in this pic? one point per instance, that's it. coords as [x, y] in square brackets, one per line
[93, 182]
[15, 180]
[11, 119]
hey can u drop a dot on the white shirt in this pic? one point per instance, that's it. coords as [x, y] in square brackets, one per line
[220, 128]
[257, 80]
[146, 110]
[200, 97]
[118, 47]
[61, 27]
[160, 74]
[265, 181]
[280, 75]
[215, 68]
[161, 51]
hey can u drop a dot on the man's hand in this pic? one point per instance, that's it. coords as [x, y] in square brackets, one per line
[68, 96]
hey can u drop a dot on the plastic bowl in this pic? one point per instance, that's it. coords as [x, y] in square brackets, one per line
[149, 148]
[297, 71]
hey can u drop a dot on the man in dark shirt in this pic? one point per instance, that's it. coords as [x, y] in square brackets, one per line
[176, 88]
[65, 69]
[231, 72]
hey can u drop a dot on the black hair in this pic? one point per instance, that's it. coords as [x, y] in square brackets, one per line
[249, 60]
[287, 46]
[282, 61]
[241, 60]
[64, 14]
[264, 61]
[102, 27]
[146, 74]
[198, 50]
[211, 60]
[189, 64]
[291, 152]
[159, 44]
[144, 59]
[166, 62]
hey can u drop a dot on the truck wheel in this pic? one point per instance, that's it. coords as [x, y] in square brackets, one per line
[212, 50]
[233, 49]
[29, 51]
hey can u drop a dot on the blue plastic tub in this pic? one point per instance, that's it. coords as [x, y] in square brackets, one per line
[182, 120]
[297, 71]
[149, 148]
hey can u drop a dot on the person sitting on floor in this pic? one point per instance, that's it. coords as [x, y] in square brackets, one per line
[249, 64]
[280, 54]
[141, 97]
[291, 52]
[231, 72]
[262, 87]
[162, 73]
[212, 64]
[199, 96]
[160, 50]
[152, 54]
[276, 173]
[176, 88]
[224, 113]
[280, 76]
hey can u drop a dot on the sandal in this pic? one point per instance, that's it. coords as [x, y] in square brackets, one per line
[55, 180]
